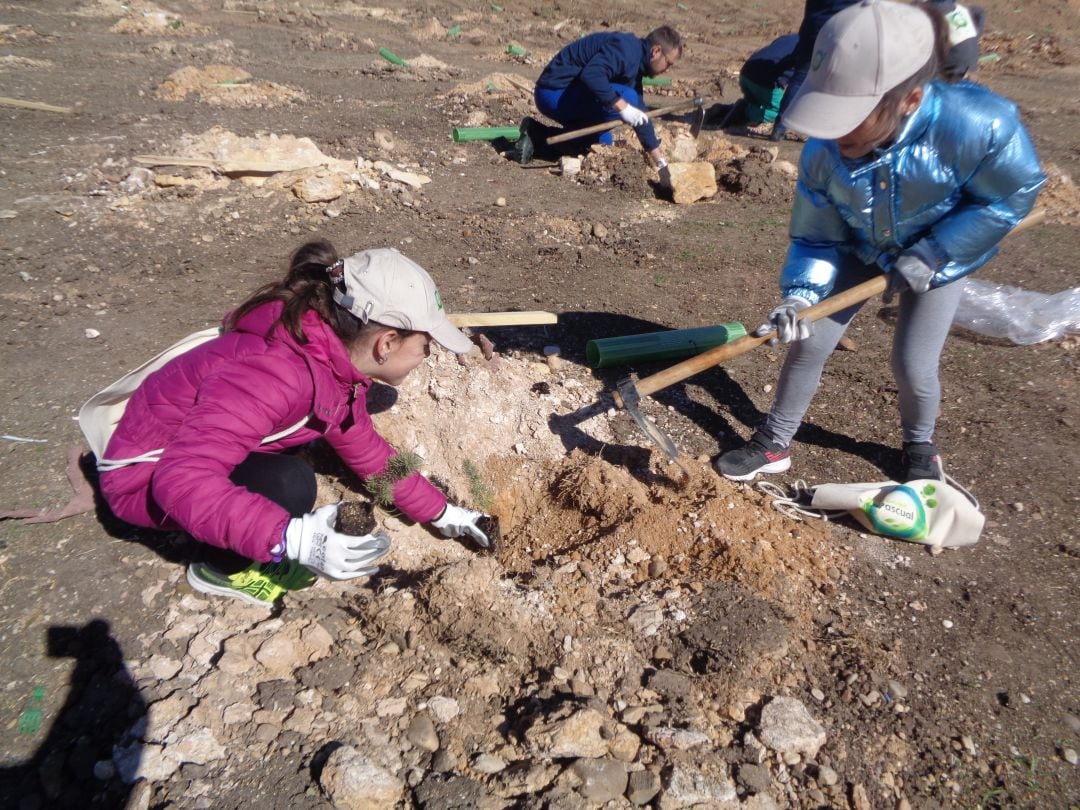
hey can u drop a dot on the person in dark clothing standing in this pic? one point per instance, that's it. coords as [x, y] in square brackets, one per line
[965, 24]
[597, 79]
[815, 14]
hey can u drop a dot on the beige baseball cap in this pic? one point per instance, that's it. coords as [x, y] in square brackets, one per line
[383, 286]
[861, 53]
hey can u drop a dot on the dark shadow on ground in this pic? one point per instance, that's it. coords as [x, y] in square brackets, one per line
[735, 407]
[101, 705]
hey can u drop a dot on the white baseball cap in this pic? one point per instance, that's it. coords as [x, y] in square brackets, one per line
[383, 286]
[862, 53]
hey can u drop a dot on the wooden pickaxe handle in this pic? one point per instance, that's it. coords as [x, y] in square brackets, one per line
[831, 305]
[527, 318]
[618, 122]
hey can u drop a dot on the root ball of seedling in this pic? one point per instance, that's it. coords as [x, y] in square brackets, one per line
[355, 518]
[489, 525]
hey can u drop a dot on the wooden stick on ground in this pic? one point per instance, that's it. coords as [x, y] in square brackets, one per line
[33, 105]
[460, 319]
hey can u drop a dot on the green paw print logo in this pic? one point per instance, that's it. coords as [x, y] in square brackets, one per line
[928, 496]
[819, 57]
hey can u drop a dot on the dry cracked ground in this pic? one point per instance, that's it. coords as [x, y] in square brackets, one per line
[640, 637]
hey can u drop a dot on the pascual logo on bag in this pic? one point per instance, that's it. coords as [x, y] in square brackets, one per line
[898, 511]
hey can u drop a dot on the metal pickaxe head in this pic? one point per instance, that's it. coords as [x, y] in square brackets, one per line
[626, 396]
[698, 119]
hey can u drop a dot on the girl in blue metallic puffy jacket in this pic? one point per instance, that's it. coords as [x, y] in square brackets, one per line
[905, 174]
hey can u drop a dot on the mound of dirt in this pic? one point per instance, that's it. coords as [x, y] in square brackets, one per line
[219, 144]
[225, 86]
[420, 68]
[156, 23]
[494, 83]
[1060, 196]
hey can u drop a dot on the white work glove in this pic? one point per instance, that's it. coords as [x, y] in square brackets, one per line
[633, 116]
[786, 321]
[456, 521]
[312, 541]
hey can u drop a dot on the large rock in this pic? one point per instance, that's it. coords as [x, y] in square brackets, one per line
[599, 780]
[643, 787]
[684, 149]
[680, 739]
[576, 736]
[140, 760]
[690, 786]
[352, 782]
[313, 188]
[691, 182]
[787, 726]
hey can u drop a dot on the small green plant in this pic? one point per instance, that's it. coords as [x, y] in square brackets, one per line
[483, 496]
[686, 255]
[381, 486]
[659, 279]
[1031, 765]
[175, 25]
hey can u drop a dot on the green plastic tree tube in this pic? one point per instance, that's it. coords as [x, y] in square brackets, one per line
[392, 57]
[656, 80]
[516, 50]
[673, 344]
[485, 133]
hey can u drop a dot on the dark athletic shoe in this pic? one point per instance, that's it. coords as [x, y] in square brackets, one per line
[921, 460]
[759, 455]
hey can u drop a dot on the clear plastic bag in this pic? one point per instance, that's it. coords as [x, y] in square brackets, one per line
[1022, 316]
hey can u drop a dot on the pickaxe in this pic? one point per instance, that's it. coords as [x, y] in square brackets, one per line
[696, 104]
[628, 393]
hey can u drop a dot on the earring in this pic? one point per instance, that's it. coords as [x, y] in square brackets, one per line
[381, 360]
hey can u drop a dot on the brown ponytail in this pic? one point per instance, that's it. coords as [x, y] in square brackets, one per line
[307, 286]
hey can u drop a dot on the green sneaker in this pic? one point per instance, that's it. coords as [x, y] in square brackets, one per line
[258, 584]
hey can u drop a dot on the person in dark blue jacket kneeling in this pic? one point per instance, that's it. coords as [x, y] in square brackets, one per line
[597, 79]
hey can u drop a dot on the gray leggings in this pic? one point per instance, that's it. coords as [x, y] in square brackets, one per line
[921, 329]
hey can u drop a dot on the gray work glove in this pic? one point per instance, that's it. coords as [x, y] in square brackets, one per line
[910, 271]
[786, 321]
[456, 521]
[633, 116]
[312, 541]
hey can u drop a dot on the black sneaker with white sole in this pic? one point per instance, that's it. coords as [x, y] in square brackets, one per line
[920, 460]
[759, 455]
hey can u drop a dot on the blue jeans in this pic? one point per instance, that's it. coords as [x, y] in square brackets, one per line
[575, 107]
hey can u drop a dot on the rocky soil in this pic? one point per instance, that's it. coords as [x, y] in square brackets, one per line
[642, 635]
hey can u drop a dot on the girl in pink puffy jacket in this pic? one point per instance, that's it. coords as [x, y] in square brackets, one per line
[200, 445]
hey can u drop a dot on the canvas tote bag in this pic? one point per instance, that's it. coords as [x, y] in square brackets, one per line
[939, 514]
[99, 415]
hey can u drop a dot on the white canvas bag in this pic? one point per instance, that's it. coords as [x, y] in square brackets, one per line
[99, 415]
[930, 512]
[939, 514]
